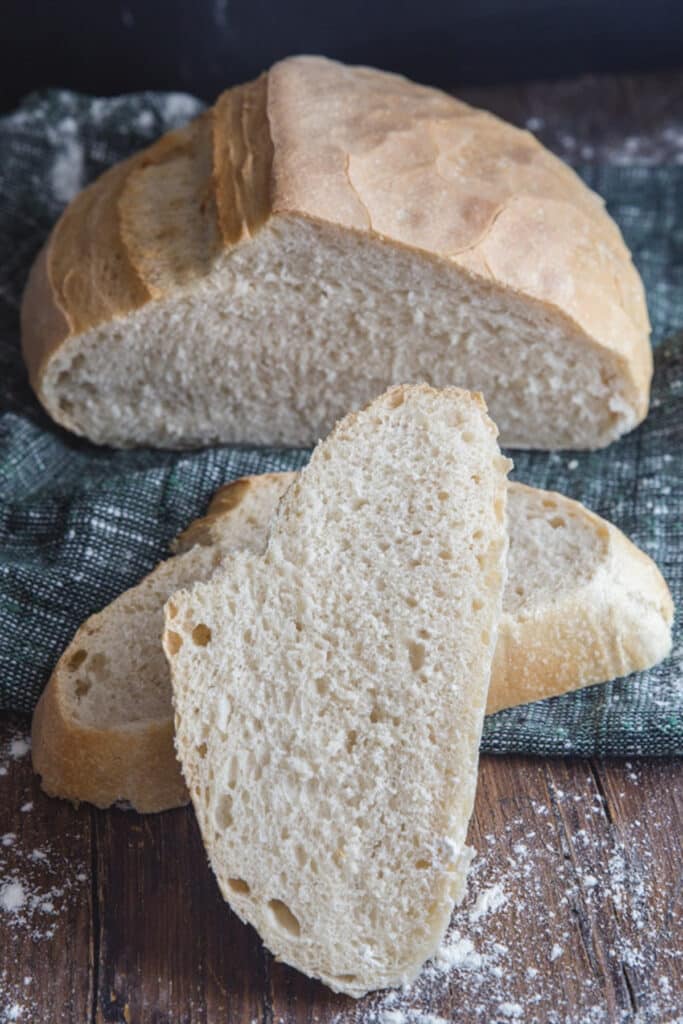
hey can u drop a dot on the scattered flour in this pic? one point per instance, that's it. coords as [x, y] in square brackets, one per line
[12, 897]
[487, 902]
[19, 747]
[36, 885]
[528, 892]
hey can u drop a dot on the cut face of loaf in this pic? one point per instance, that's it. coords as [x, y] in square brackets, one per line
[329, 694]
[581, 605]
[320, 234]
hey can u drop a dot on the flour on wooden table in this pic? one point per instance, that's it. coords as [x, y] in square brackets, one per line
[504, 955]
[36, 884]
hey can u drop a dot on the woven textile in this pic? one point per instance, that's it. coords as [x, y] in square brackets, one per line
[79, 524]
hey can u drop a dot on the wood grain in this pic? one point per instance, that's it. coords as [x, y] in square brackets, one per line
[587, 857]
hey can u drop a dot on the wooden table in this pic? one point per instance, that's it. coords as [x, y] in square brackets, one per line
[124, 922]
[574, 906]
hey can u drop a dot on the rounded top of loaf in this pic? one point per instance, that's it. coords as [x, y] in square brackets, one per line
[364, 150]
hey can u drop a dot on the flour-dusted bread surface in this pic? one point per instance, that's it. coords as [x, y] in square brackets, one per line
[103, 728]
[329, 694]
[317, 235]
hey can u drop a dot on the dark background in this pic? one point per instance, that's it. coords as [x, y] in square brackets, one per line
[108, 46]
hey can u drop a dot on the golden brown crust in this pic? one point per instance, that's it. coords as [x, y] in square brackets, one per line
[618, 623]
[224, 502]
[313, 138]
[43, 324]
[136, 764]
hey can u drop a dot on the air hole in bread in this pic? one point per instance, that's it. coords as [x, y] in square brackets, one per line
[422, 864]
[443, 495]
[98, 664]
[224, 812]
[416, 653]
[201, 634]
[468, 437]
[485, 637]
[232, 772]
[376, 714]
[174, 641]
[322, 686]
[351, 738]
[301, 856]
[66, 406]
[76, 660]
[172, 610]
[549, 503]
[475, 478]
[557, 522]
[82, 688]
[358, 504]
[411, 602]
[477, 604]
[201, 750]
[346, 979]
[477, 535]
[284, 918]
[519, 590]
[239, 885]
[445, 554]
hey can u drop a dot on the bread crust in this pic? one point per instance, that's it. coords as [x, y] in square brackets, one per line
[136, 765]
[619, 623]
[476, 193]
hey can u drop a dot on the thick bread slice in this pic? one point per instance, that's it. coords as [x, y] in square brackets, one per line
[319, 234]
[581, 605]
[329, 694]
[103, 728]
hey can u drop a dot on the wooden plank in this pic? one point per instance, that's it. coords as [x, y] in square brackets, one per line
[168, 947]
[565, 942]
[644, 802]
[46, 955]
[588, 927]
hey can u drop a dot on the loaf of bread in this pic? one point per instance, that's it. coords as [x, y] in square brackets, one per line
[319, 234]
[581, 605]
[329, 693]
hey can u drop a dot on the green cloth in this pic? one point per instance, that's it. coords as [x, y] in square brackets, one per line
[79, 524]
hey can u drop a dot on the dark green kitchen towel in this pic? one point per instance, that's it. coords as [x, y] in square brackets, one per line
[78, 524]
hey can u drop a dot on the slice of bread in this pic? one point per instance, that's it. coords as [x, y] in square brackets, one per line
[581, 605]
[103, 728]
[329, 693]
[320, 234]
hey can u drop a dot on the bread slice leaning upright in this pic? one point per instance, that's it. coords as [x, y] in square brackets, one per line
[329, 694]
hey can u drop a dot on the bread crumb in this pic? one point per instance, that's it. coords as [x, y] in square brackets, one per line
[556, 952]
